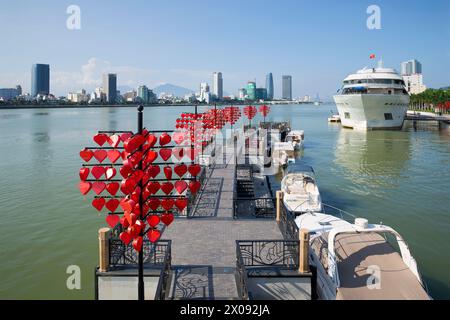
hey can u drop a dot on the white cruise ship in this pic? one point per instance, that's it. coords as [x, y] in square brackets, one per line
[373, 98]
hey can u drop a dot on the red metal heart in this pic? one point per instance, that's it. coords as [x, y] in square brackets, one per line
[153, 235]
[98, 187]
[112, 188]
[194, 186]
[167, 218]
[98, 203]
[165, 154]
[178, 137]
[100, 155]
[153, 220]
[113, 155]
[151, 139]
[168, 172]
[112, 220]
[194, 169]
[164, 139]
[85, 187]
[100, 138]
[180, 170]
[110, 173]
[167, 204]
[113, 140]
[84, 173]
[154, 204]
[167, 187]
[98, 172]
[112, 205]
[181, 203]
[125, 237]
[180, 186]
[125, 171]
[127, 205]
[151, 156]
[153, 171]
[124, 222]
[178, 153]
[86, 155]
[153, 187]
[125, 136]
[127, 186]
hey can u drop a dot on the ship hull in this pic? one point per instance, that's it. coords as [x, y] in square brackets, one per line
[372, 111]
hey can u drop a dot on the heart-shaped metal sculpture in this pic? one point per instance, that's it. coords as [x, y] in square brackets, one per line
[137, 244]
[153, 235]
[153, 220]
[164, 139]
[194, 169]
[194, 186]
[85, 187]
[181, 203]
[167, 204]
[180, 170]
[167, 187]
[98, 172]
[98, 203]
[167, 218]
[110, 173]
[153, 187]
[86, 155]
[100, 155]
[112, 205]
[180, 186]
[112, 188]
[113, 155]
[113, 140]
[112, 220]
[98, 187]
[165, 154]
[154, 204]
[84, 173]
[100, 139]
[168, 172]
[125, 237]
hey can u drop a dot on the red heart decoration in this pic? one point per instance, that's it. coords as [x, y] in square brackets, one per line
[100, 155]
[153, 235]
[167, 204]
[178, 153]
[125, 170]
[112, 188]
[194, 186]
[178, 137]
[124, 155]
[114, 140]
[132, 218]
[127, 186]
[165, 154]
[167, 218]
[167, 187]
[98, 203]
[98, 187]
[85, 187]
[113, 155]
[86, 155]
[154, 204]
[124, 222]
[181, 203]
[180, 170]
[110, 173]
[125, 237]
[125, 136]
[131, 144]
[127, 205]
[153, 220]
[168, 172]
[194, 169]
[112, 205]
[112, 220]
[100, 139]
[153, 171]
[140, 226]
[84, 173]
[164, 139]
[97, 172]
[151, 156]
[153, 187]
[151, 139]
[180, 186]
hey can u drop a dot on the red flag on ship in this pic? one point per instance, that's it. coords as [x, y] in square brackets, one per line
[372, 56]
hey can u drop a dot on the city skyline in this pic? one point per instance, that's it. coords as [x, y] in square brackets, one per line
[317, 56]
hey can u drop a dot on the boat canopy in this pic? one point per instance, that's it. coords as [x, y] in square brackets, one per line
[300, 168]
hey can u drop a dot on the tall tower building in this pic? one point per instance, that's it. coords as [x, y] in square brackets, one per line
[110, 87]
[251, 90]
[411, 67]
[40, 79]
[286, 87]
[269, 86]
[218, 85]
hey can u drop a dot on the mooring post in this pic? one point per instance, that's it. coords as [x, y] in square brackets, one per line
[279, 196]
[303, 251]
[104, 235]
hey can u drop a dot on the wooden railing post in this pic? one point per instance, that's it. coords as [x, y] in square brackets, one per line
[279, 196]
[104, 235]
[303, 251]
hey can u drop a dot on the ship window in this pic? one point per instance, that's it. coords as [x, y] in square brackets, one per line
[347, 115]
[388, 116]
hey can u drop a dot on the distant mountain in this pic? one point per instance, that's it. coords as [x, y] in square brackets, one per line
[172, 89]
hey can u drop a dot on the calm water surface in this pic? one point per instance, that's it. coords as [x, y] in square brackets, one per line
[401, 178]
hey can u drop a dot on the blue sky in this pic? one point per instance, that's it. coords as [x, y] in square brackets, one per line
[184, 41]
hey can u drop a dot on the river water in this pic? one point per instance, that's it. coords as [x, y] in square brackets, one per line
[400, 178]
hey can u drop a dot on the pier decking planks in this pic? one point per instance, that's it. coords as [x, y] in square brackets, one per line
[204, 248]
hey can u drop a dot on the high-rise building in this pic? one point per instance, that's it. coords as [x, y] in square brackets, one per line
[110, 87]
[411, 67]
[414, 83]
[269, 86]
[286, 87]
[261, 94]
[251, 90]
[218, 85]
[205, 95]
[40, 79]
[242, 93]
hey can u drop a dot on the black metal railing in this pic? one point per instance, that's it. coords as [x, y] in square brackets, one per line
[287, 225]
[155, 254]
[254, 207]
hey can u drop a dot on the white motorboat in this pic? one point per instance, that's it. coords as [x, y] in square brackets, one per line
[300, 191]
[295, 137]
[335, 118]
[283, 153]
[360, 261]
